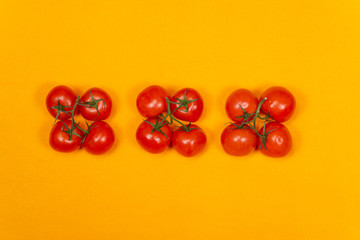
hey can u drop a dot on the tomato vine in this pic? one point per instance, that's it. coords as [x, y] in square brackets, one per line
[169, 118]
[70, 131]
[249, 119]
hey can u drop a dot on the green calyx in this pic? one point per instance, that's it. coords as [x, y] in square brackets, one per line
[242, 125]
[70, 130]
[169, 117]
[157, 126]
[60, 108]
[187, 128]
[264, 136]
[93, 103]
[246, 116]
[183, 103]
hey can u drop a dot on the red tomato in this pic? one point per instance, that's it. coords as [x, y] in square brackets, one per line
[238, 142]
[189, 142]
[152, 136]
[151, 101]
[60, 139]
[60, 99]
[278, 141]
[100, 138]
[97, 104]
[241, 98]
[280, 103]
[189, 106]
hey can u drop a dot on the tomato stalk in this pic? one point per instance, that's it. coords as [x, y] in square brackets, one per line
[188, 128]
[182, 103]
[60, 108]
[93, 103]
[252, 123]
[157, 126]
[70, 130]
[170, 114]
[242, 125]
[256, 116]
[74, 125]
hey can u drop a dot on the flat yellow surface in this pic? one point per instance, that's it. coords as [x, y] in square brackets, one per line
[311, 47]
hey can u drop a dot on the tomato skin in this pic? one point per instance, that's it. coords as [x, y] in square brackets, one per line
[190, 143]
[278, 142]
[153, 142]
[100, 139]
[104, 107]
[60, 140]
[151, 101]
[280, 103]
[238, 142]
[245, 99]
[65, 96]
[195, 108]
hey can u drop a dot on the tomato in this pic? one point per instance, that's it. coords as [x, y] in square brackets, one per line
[153, 136]
[60, 139]
[189, 141]
[238, 142]
[60, 99]
[100, 138]
[280, 103]
[96, 104]
[189, 105]
[241, 98]
[278, 140]
[151, 101]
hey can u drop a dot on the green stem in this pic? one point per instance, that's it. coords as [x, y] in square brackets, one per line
[169, 113]
[257, 112]
[73, 114]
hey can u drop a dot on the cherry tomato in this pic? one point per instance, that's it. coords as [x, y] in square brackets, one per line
[60, 99]
[280, 103]
[241, 98]
[238, 142]
[153, 136]
[189, 141]
[60, 139]
[278, 141]
[100, 138]
[151, 101]
[189, 105]
[97, 104]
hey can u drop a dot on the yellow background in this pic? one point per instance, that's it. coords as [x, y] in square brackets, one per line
[311, 47]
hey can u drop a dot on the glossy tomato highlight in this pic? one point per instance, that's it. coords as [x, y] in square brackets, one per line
[65, 137]
[189, 140]
[280, 103]
[100, 138]
[238, 141]
[95, 105]
[59, 100]
[154, 136]
[151, 101]
[239, 100]
[187, 105]
[278, 141]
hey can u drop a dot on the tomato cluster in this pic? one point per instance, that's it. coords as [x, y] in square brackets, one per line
[169, 121]
[67, 135]
[241, 137]
[156, 133]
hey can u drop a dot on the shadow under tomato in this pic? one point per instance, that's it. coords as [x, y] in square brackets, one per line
[44, 132]
[118, 137]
